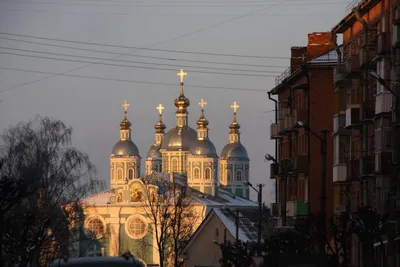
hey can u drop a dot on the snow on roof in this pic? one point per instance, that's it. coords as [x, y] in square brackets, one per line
[329, 57]
[229, 222]
[100, 199]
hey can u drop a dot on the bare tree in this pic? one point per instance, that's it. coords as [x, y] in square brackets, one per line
[41, 173]
[169, 206]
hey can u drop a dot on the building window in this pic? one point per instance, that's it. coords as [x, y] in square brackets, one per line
[130, 174]
[239, 175]
[174, 165]
[208, 173]
[112, 173]
[94, 227]
[228, 175]
[136, 227]
[196, 173]
[120, 174]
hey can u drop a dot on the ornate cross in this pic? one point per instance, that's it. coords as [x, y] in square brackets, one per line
[160, 109]
[202, 103]
[235, 107]
[125, 106]
[182, 74]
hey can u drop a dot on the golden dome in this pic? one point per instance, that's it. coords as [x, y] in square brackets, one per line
[234, 125]
[125, 124]
[160, 126]
[182, 102]
[202, 122]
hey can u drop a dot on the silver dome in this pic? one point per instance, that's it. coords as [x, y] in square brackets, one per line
[179, 138]
[154, 152]
[234, 151]
[203, 148]
[125, 148]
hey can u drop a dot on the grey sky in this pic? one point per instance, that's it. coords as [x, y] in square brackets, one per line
[92, 107]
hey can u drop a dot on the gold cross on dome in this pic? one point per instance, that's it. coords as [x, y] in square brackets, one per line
[125, 105]
[235, 107]
[160, 109]
[182, 74]
[202, 103]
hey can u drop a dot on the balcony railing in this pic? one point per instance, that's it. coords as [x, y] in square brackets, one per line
[339, 103]
[339, 75]
[275, 131]
[297, 208]
[383, 102]
[339, 173]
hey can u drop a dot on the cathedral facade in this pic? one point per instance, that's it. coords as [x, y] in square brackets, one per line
[116, 220]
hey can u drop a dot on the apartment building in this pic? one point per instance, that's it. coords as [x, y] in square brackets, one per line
[363, 134]
[304, 92]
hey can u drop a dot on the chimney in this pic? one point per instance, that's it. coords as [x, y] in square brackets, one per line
[319, 43]
[298, 57]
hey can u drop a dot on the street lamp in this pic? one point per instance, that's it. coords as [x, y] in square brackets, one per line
[259, 194]
[323, 139]
[268, 157]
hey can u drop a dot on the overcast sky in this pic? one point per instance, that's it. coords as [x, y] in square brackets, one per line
[256, 28]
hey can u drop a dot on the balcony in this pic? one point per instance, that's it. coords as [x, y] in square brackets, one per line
[285, 124]
[366, 55]
[384, 44]
[396, 35]
[383, 102]
[300, 115]
[352, 116]
[339, 75]
[276, 209]
[367, 111]
[353, 67]
[339, 125]
[339, 173]
[274, 169]
[275, 131]
[383, 163]
[353, 169]
[301, 163]
[296, 208]
[367, 165]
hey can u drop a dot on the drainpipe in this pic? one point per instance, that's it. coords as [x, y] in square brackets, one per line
[364, 127]
[276, 141]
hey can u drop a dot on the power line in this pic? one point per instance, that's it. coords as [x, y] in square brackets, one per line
[132, 61]
[162, 5]
[146, 48]
[166, 41]
[136, 67]
[152, 57]
[128, 81]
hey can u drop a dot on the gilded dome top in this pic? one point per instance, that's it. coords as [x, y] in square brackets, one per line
[203, 148]
[182, 102]
[125, 148]
[234, 151]
[179, 138]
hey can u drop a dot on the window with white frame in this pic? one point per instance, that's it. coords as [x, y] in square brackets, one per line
[207, 173]
[196, 173]
[239, 175]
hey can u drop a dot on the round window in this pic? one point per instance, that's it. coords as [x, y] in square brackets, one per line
[137, 228]
[95, 228]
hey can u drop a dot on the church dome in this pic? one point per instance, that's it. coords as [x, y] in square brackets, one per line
[154, 152]
[125, 148]
[203, 148]
[234, 151]
[179, 138]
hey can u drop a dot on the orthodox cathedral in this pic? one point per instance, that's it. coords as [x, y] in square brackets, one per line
[183, 151]
[115, 220]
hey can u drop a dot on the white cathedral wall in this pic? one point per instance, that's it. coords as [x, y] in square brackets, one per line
[202, 164]
[123, 163]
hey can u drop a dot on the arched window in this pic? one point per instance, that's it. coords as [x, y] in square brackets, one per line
[120, 174]
[228, 175]
[239, 175]
[112, 174]
[119, 197]
[174, 167]
[130, 174]
[208, 173]
[196, 173]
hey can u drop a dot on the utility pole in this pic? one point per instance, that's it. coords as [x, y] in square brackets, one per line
[237, 224]
[260, 218]
[323, 188]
